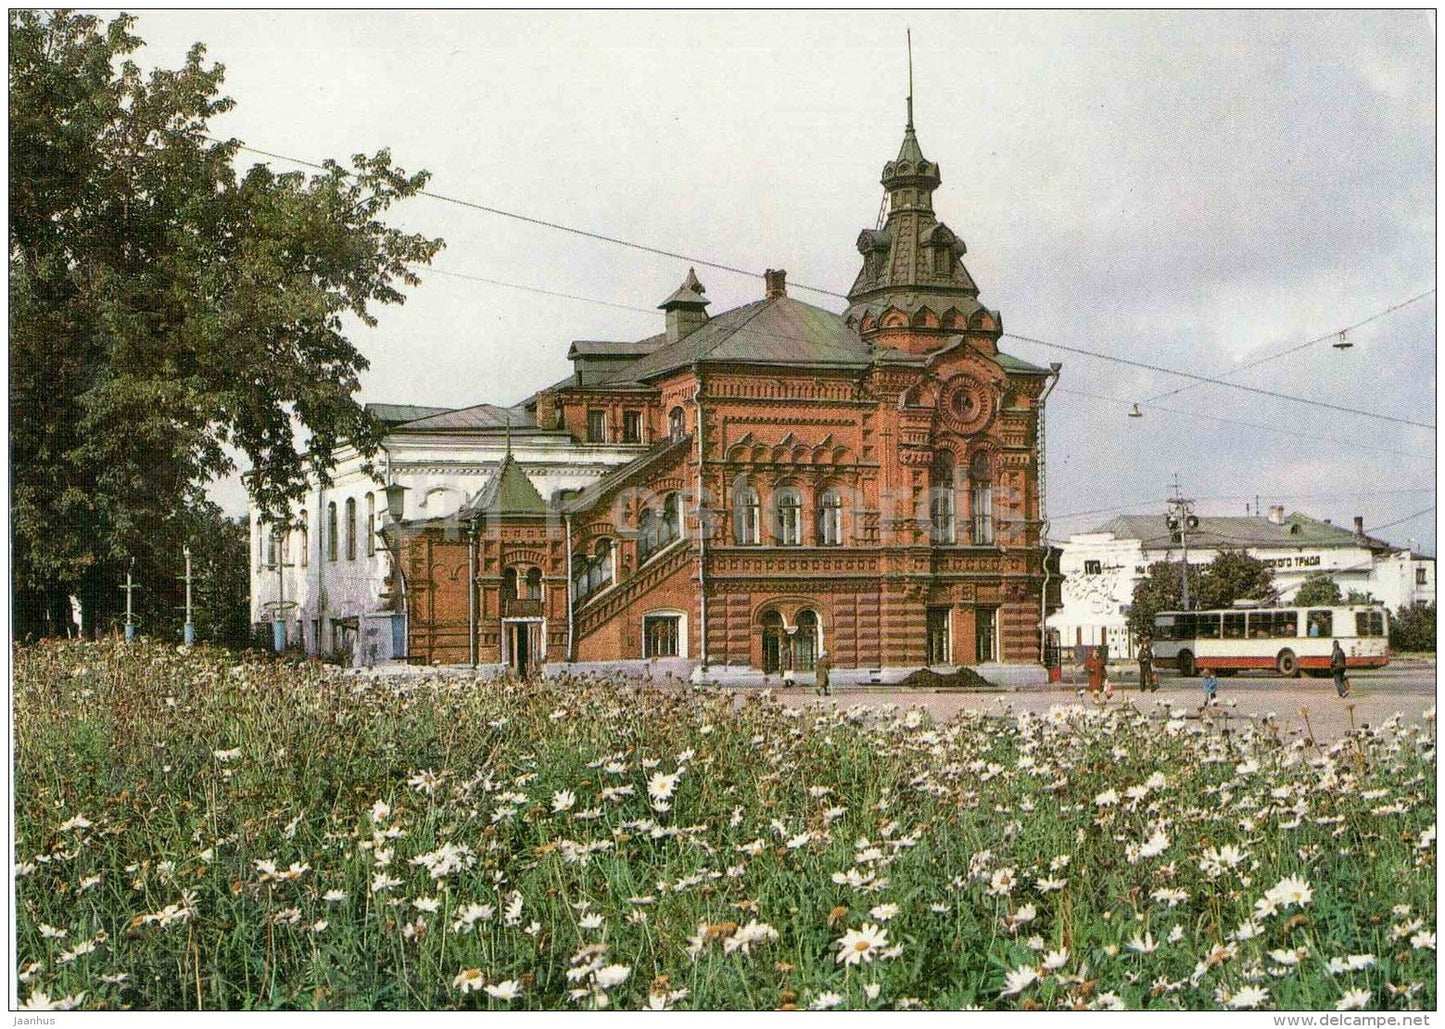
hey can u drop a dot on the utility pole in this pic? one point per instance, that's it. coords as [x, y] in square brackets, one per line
[130, 587]
[1181, 521]
[472, 589]
[189, 632]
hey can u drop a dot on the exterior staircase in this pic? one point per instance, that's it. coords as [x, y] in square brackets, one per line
[601, 607]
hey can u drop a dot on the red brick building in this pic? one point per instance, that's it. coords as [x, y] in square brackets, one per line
[865, 484]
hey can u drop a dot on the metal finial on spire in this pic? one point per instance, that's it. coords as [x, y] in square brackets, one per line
[910, 76]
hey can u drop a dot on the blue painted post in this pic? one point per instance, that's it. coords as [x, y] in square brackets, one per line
[278, 630]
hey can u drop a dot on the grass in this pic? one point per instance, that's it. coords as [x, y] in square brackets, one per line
[194, 832]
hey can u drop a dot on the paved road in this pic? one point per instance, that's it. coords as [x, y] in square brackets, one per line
[1376, 695]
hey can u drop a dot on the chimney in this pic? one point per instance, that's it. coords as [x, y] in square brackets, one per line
[1276, 514]
[777, 283]
[1359, 527]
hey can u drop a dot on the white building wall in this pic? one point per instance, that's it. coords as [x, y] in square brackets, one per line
[341, 608]
[1100, 573]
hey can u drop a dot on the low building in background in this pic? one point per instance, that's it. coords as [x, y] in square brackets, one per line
[1101, 567]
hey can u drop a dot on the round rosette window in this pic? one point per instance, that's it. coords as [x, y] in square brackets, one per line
[967, 404]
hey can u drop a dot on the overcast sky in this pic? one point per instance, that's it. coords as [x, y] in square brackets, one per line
[1191, 190]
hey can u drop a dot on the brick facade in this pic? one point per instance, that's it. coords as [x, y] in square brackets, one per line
[865, 484]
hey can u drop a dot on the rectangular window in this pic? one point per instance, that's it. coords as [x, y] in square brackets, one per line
[938, 636]
[983, 514]
[659, 635]
[631, 426]
[331, 531]
[370, 525]
[1286, 624]
[1369, 623]
[1234, 625]
[1420, 579]
[1206, 627]
[596, 426]
[1320, 623]
[1093, 567]
[270, 548]
[351, 529]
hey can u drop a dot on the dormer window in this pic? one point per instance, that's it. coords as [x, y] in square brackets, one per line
[631, 426]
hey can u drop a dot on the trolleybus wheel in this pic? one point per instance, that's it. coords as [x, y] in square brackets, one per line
[1186, 663]
[1287, 664]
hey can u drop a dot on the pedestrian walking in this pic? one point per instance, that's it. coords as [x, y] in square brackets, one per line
[822, 668]
[1094, 666]
[1338, 664]
[1146, 666]
[1211, 689]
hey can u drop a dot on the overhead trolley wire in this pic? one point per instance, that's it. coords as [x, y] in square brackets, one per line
[707, 263]
[1300, 346]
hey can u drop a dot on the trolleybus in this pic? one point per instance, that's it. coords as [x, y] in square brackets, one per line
[1285, 639]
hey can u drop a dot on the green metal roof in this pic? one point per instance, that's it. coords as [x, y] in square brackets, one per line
[510, 494]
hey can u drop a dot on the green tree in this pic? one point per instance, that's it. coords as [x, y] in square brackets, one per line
[1413, 629]
[1232, 575]
[1160, 590]
[166, 311]
[1318, 590]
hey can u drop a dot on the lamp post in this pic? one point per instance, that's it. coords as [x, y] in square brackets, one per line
[395, 508]
[189, 632]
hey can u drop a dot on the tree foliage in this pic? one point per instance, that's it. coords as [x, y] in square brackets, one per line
[1232, 575]
[166, 311]
[1318, 590]
[1413, 629]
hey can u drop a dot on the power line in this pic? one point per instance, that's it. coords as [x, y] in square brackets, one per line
[559, 227]
[1301, 346]
[1252, 425]
[1248, 496]
[1218, 382]
[705, 262]
[544, 292]
[1399, 521]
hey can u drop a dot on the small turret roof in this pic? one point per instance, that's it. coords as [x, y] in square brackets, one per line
[510, 493]
[689, 294]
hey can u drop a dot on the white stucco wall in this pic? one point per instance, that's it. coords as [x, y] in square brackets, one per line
[1094, 601]
[441, 473]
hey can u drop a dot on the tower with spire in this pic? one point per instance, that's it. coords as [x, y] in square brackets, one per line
[913, 292]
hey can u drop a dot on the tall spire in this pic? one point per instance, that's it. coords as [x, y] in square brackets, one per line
[910, 79]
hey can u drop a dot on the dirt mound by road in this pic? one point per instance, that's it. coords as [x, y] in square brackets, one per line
[963, 679]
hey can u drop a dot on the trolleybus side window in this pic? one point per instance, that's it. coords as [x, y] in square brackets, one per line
[1369, 623]
[1288, 624]
[1184, 626]
[1206, 626]
[1234, 625]
[1321, 623]
[1261, 624]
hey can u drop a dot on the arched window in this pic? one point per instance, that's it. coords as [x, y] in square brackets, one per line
[331, 531]
[806, 641]
[830, 519]
[509, 584]
[305, 539]
[676, 424]
[592, 573]
[745, 516]
[534, 584]
[671, 518]
[941, 529]
[646, 535]
[371, 525]
[981, 479]
[789, 506]
[351, 529]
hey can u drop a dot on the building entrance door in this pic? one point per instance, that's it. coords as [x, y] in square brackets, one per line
[938, 637]
[524, 646]
[774, 642]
